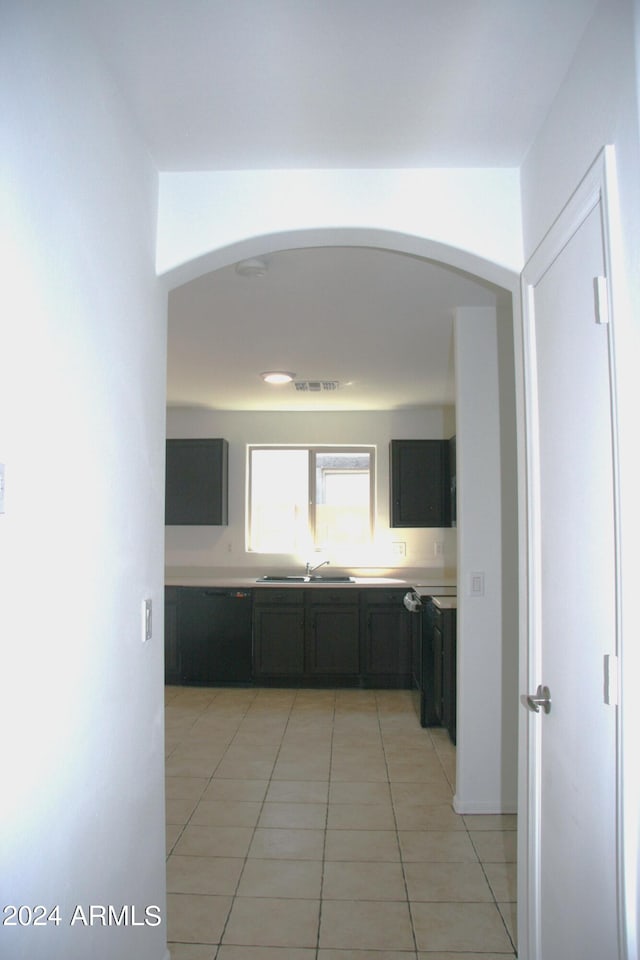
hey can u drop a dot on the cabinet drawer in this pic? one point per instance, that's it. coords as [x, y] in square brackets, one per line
[383, 596]
[288, 596]
[322, 595]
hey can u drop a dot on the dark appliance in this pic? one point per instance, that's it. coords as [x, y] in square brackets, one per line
[425, 682]
[215, 634]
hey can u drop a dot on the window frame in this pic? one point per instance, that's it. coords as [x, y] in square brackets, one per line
[312, 451]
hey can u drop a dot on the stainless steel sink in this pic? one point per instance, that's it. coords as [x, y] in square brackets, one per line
[319, 579]
[281, 579]
[330, 579]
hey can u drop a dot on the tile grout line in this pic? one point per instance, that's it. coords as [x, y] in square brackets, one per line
[234, 896]
[290, 727]
[184, 825]
[469, 834]
[326, 826]
[208, 784]
[242, 717]
[475, 849]
[395, 821]
[495, 901]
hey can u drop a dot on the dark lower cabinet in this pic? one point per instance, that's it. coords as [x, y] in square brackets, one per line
[171, 646]
[333, 635]
[387, 639]
[278, 634]
[306, 636]
[293, 636]
[436, 639]
[444, 668]
[449, 680]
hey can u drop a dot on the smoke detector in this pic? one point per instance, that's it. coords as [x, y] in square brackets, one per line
[253, 269]
[316, 386]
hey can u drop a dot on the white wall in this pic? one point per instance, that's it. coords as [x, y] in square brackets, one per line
[486, 778]
[225, 546]
[473, 210]
[81, 435]
[598, 104]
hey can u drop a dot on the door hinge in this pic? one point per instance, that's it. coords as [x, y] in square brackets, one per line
[611, 679]
[601, 291]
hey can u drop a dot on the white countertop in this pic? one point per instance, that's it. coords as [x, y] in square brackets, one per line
[435, 589]
[428, 584]
[247, 582]
[446, 603]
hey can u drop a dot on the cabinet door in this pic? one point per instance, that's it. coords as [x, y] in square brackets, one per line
[449, 680]
[427, 678]
[278, 636]
[196, 475]
[420, 483]
[437, 671]
[333, 643]
[387, 645]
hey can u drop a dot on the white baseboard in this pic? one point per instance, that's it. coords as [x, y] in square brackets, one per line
[460, 805]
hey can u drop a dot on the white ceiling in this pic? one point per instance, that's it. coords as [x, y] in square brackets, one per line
[260, 84]
[379, 323]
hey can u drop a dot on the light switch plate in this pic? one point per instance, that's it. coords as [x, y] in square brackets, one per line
[476, 583]
[147, 625]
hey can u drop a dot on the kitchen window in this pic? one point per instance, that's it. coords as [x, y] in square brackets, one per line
[303, 498]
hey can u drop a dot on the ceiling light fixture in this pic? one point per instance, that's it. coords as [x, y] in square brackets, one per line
[277, 376]
[254, 268]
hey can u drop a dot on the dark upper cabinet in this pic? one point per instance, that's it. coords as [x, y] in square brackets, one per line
[420, 483]
[197, 483]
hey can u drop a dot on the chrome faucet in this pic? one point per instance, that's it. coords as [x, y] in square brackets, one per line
[310, 569]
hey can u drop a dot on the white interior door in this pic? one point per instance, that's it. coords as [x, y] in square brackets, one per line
[572, 758]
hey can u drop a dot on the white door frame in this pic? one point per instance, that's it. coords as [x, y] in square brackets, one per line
[597, 188]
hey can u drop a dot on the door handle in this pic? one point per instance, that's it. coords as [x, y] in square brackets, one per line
[542, 699]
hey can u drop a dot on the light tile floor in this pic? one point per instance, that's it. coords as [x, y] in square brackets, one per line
[318, 825]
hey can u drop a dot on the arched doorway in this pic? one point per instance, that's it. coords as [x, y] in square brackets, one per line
[488, 675]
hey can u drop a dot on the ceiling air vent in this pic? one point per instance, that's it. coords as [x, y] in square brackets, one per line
[316, 386]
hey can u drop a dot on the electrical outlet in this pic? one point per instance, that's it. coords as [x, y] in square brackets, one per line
[1, 487]
[399, 548]
[438, 548]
